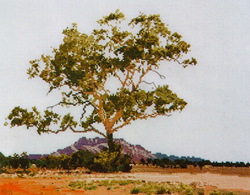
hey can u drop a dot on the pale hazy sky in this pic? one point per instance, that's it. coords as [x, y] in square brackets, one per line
[215, 124]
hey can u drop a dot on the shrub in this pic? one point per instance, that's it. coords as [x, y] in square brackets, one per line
[32, 174]
[90, 187]
[161, 190]
[135, 191]
[107, 161]
[77, 184]
[230, 193]
[216, 192]
[104, 183]
[201, 192]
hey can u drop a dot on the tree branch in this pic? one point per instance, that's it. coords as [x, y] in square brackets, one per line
[87, 103]
[68, 103]
[87, 130]
[149, 83]
[122, 125]
[76, 131]
[142, 75]
[153, 115]
[119, 78]
[160, 75]
[124, 83]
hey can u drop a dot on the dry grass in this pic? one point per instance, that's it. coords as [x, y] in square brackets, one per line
[240, 171]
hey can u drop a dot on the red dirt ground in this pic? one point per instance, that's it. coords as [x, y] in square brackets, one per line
[59, 184]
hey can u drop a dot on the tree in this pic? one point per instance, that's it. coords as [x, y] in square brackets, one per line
[24, 161]
[181, 162]
[107, 161]
[142, 161]
[84, 66]
[156, 162]
[15, 161]
[149, 161]
[82, 158]
[2, 160]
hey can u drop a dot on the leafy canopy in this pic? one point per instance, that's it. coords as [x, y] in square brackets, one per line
[86, 64]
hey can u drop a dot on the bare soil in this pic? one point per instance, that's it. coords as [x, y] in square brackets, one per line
[57, 182]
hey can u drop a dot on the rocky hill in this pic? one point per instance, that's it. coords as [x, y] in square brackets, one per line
[94, 145]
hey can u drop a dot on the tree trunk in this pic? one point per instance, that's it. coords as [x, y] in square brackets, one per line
[111, 144]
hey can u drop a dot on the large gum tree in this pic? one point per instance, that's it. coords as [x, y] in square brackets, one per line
[84, 66]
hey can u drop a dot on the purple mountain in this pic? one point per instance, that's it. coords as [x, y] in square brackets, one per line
[94, 145]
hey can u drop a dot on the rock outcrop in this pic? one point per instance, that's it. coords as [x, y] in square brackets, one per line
[95, 145]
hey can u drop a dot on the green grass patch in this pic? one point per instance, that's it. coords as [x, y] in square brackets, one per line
[145, 187]
[90, 187]
[77, 184]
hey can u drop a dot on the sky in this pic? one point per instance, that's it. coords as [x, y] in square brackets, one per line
[215, 124]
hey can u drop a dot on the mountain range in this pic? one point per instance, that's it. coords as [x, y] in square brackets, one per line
[95, 145]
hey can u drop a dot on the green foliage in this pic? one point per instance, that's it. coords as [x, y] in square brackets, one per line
[149, 161]
[104, 183]
[24, 161]
[2, 160]
[216, 192]
[77, 184]
[41, 163]
[90, 187]
[181, 162]
[82, 184]
[145, 188]
[162, 190]
[230, 193]
[55, 162]
[201, 192]
[142, 161]
[17, 160]
[108, 161]
[14, 161]
[135, 190]
[82, 158]
[104, 161]
[188, 191]
[165, 188]
[185, 189]
[83, 65]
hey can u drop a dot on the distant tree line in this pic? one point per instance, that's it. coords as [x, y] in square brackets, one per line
[15, 161]
[183, 163]
[173, 157]
[104, 161]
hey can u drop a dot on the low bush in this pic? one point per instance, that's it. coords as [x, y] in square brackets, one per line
[77, 184]
[90, 187]
[135, 190]
[216, 192]
[161, 190]
[201, 191]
